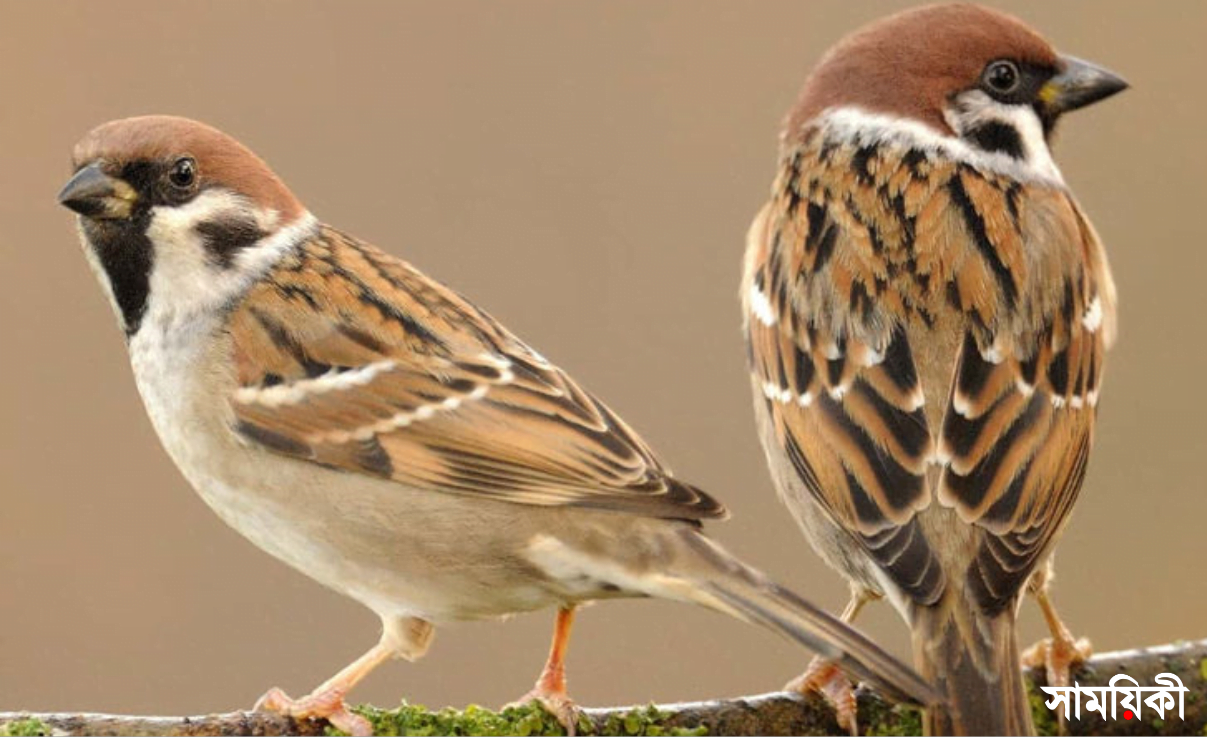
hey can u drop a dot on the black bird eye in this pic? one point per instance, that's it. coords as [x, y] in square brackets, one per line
[1002, 77]
[183, 174]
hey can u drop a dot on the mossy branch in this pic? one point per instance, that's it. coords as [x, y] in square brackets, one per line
[774, 713]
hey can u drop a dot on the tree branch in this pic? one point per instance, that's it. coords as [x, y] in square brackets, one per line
[774, 713]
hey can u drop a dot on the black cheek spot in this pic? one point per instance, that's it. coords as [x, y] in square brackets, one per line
[224, 239]
[997, 137]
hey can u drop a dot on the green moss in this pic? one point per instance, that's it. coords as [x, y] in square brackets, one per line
[647, 720]
[878, 718]
[1046, 721]
[527, 721]
[24, 728]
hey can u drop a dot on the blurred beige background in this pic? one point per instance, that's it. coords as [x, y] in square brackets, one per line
[587, 173]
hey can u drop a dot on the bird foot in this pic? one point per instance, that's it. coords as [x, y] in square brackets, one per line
[1059, 656]
[826, 678]
[555, 701]
[322, 704]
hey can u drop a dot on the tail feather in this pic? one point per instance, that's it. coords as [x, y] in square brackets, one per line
[728, 585]
[973, 659]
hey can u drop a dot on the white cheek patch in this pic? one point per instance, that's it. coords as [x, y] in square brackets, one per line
[974, 109]
[184, 279]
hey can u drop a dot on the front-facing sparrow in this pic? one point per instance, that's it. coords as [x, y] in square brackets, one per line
[375, 430]
[927, 310]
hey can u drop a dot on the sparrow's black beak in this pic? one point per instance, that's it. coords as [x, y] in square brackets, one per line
[1079, 84]
[94, 194]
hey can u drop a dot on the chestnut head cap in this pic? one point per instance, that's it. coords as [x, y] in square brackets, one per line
[912, 64]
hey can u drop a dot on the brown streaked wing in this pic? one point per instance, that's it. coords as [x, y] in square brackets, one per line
[836, 371]
[1020, 422]
[352, 359]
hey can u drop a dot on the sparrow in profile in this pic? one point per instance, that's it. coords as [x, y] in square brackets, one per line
[926, 311]
[375, 430]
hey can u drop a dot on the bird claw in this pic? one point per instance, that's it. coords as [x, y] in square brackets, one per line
[827, 679]
[324, 704]
[1058, 656]
[558, 703]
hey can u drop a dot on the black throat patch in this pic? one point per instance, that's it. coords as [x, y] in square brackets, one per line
[126, 255]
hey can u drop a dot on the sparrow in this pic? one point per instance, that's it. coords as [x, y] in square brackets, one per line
[375, 430]
[926, 310]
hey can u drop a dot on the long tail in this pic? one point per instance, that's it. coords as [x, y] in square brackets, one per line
[714, 578]
[973, 659]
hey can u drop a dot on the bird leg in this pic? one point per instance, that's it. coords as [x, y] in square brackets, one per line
[550, 688]
[1061, 652]
[408, 638]
[826, 678]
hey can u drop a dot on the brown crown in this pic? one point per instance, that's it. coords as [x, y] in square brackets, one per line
[221, 160]
[909, 64]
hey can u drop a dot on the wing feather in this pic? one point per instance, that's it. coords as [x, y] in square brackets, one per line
[352, 359]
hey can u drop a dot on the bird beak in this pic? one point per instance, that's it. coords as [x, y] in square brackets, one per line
[1079, 84]
[94, 194]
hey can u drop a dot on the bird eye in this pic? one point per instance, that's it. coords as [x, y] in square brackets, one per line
[183, 173]
[1002, 76]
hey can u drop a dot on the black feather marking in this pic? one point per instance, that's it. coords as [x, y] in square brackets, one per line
[804, 470]
[898, 361]
[996, 136]
[815, 216]
[272, 440]
[861, 301]
[285, 342]
[1058, 373]
[412, 326]
[974, 370]
[866, 511]
[904, 553]
[901, 487]
[1013, 193]
[907, 428]
[971, 489]
[486, 372]
[1006, 507]
[834, 367]
[1028, 369]
[361, 338]
[953, 296]
[374, 459]
[1066, 304]
[804, 370]
[976, 228]
[861, 161]
[914, 159]
[292, 293]
[961, 433]
[225, 238]
[825, 249]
